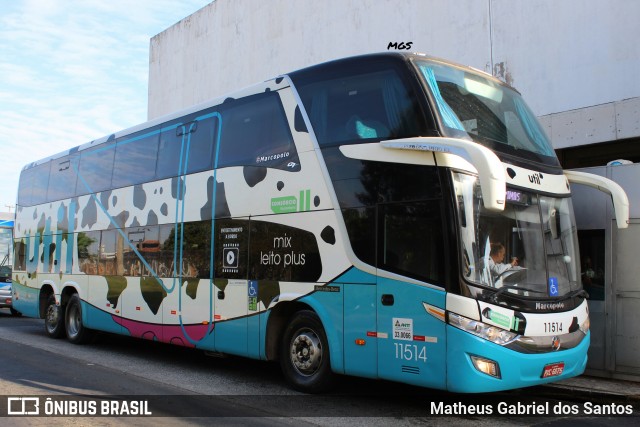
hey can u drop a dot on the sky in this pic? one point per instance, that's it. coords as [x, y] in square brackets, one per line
[72, 71]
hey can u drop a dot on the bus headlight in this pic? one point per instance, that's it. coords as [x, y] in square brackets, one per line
[482, 330]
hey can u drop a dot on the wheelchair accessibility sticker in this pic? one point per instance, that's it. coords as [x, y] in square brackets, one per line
[553, 286]
[253, 295]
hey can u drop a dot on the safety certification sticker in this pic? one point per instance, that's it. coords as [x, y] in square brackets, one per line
[402, 329]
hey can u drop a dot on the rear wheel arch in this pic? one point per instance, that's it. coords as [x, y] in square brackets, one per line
[46, 291]
[279, 317]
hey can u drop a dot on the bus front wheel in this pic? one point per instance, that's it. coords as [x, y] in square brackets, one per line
[53, 318]
[304, 356]
[77, 333]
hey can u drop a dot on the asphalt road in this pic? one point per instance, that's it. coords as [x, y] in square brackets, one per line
[186, 387]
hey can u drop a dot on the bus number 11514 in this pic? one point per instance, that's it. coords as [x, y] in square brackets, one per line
[411, 352]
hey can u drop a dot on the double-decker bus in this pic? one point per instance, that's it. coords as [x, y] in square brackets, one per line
[387, 216]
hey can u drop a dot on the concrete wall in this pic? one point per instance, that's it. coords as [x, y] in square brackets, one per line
[234, 43]
[563, 56]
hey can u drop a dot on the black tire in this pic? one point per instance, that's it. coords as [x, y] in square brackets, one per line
[15, 312]
[304, 354]
[77, 333]
[53, 318]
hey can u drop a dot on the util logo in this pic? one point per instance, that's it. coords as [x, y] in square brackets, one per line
[536, 178]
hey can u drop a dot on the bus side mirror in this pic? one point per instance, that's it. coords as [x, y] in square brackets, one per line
[618, 195]
[491, 172]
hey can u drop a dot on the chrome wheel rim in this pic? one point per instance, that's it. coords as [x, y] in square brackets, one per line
[74, 321]
[52, 317]
[306, 352]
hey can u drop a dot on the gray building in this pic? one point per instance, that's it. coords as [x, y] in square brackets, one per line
[576, 63]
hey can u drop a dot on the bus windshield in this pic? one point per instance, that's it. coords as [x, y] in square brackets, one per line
[529, 249]
[478, 107]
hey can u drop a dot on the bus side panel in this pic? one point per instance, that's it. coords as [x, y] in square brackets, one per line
[100, 320]
[516, 369]
[231, 331]
[412, 343]
[25, 299]
[102, 305]
[360, 342]
[254, 344]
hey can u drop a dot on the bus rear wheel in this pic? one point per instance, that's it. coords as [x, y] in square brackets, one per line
[53, 318]
[77, 333]
[304, 355]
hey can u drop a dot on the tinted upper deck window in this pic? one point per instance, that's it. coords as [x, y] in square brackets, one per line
[135, 159]
[96, 167]
[255, 132]
[192, 141]
[362, 101]
[33, 185]
[62, 179]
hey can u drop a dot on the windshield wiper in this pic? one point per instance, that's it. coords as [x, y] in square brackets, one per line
[504, 288]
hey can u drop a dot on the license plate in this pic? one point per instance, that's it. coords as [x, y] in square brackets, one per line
[553, 370]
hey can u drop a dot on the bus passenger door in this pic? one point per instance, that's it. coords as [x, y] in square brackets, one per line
[411, 329]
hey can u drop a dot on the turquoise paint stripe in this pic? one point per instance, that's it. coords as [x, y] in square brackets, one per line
[47, 238]
[70, 232]
[56, 268]
[213, 205]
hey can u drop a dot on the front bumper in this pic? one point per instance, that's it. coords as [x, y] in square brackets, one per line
[517, 369]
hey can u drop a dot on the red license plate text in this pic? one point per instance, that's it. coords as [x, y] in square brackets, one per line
[553, 370]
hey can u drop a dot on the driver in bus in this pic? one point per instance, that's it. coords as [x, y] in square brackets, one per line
[496, 258]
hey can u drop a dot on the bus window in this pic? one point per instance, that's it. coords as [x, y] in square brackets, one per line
[361, 227]
[199, 135]
[88, 248]
[62, 179]
[145, 242]
[411, 240]
[96, 167]
[20, 254]
[40, 184]
[163, 262]
[135, 159]
[196, 255]
[33, 185]
[111, 245]
[369, 104]
[255, 132]
[201, 145]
